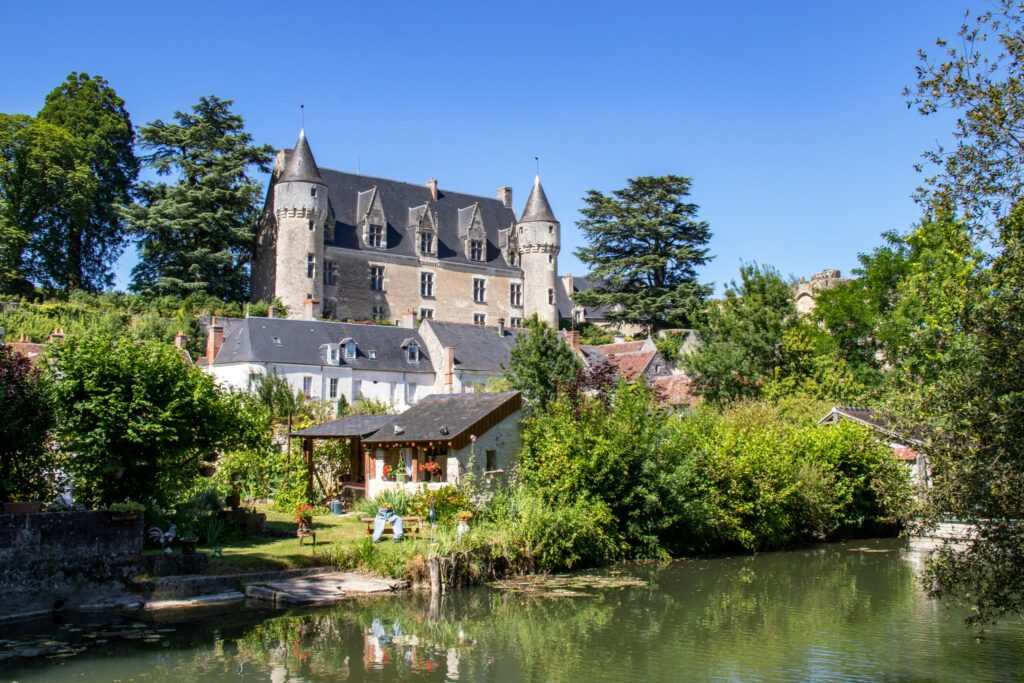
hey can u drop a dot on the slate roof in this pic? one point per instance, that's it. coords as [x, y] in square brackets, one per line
[477, 347]
[537, 207]
[280, 340]
[300, 165]
[353, 425]
[450, 418]
[397, 198]
[563, 299]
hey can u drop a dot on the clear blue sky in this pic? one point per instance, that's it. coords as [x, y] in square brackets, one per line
[787, 115]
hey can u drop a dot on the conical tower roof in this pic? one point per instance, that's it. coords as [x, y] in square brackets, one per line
[301, 167]
[537, 207]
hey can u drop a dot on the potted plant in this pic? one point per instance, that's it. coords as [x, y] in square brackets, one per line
[430, 469]
[129, 509]
[388, 473]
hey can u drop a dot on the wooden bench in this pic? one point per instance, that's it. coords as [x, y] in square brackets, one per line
[410, 526]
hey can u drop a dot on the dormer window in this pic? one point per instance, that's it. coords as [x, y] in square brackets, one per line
[476, 250]
[376, 236]
[426, 243]
[349, 346]
[413, 353]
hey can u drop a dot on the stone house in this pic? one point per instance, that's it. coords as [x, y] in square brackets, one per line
[345, 246]
[470, 354]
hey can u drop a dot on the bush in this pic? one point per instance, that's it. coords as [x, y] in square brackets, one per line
[445, 501]
[398, 499]
[27, 464]
[574, 535]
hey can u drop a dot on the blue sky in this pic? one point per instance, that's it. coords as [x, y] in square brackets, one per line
[787, 115]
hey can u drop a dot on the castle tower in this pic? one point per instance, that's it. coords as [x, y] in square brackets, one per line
[300, 209]
[539, 239]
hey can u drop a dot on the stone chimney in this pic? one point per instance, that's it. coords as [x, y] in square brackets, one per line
[180, 340]
[57, 335]
[309, 308]
[449, 367]
[432, 186]
[271, 312]
[409, 319]
[573, 338]
[505, 196]
[501, 327]
[214, 340]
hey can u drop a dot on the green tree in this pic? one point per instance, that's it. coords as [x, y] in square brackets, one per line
[197, 233]
[25, 420]
[644, 245]
[742, 336]
[963, 389]
[138, 421]
[85, 234]
[539, 362]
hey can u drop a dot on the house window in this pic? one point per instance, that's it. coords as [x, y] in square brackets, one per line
[479, 319]
[377, 278]
[426, 242]
[307, 386]
[350, 350]
[479, 290]
[551, 296]
[426, 314]
[476, 250]
[380, 312]
[333, 388]
[410, 392]
[330, 273]
[376, 236]
[427, 285]
[310, 265]
[413, 353]
[334, 355]
[515, 294]
[372, 355]
[492, 461]
[578, 314]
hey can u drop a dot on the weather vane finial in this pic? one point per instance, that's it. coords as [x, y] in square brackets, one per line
[302, 113]
[536, 161]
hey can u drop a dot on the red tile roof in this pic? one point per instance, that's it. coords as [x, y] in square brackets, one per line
[631, 365]
[905, 453]
[621, 347]
[674, 390]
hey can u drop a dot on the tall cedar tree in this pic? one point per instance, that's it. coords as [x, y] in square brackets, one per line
[539, 363]
[63, 179]
[644, 245]
[970, 412]
[196, 234]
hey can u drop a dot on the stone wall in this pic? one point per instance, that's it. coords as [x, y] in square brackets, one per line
[69, 557]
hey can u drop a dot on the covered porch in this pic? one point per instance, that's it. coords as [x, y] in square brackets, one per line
[352, 429]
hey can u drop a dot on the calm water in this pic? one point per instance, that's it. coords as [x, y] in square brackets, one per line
[840, 612]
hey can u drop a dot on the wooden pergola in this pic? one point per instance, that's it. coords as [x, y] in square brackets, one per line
[354, 429]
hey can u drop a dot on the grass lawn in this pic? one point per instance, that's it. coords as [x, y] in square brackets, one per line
[267, 553]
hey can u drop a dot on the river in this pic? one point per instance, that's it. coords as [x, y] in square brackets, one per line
[836, 612]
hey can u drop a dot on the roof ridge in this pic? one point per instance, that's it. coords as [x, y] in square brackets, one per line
[411, 184]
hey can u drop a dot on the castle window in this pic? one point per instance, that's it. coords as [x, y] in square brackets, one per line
[551, 229]
[479, 319]
[551, 258]
[426, 242]
[310, 265]
[312, 225]
[377, 278]
[427, 285]
[516, 322]
[312, 192]
[479, 290]
[379, 312]
[330, 273]
[551, 296]
[515, 294]
[376, 238]
[476, 250]
[426, 314]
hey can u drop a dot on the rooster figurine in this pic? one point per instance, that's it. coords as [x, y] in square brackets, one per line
[165, 538]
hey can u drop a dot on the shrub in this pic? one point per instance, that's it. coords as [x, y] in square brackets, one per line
[573, 535]
[398, 499]
[446, 502]
[27, 464]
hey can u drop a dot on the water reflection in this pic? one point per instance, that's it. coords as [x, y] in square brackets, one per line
[838, 612]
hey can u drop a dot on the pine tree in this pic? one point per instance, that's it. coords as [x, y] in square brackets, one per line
[197, 233]
[644, 245]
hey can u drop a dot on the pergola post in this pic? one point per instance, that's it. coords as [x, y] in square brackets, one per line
[307, 449]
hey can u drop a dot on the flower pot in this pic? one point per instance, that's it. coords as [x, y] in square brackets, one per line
[23, 508]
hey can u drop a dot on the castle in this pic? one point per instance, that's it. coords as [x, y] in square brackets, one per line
[345, 246]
